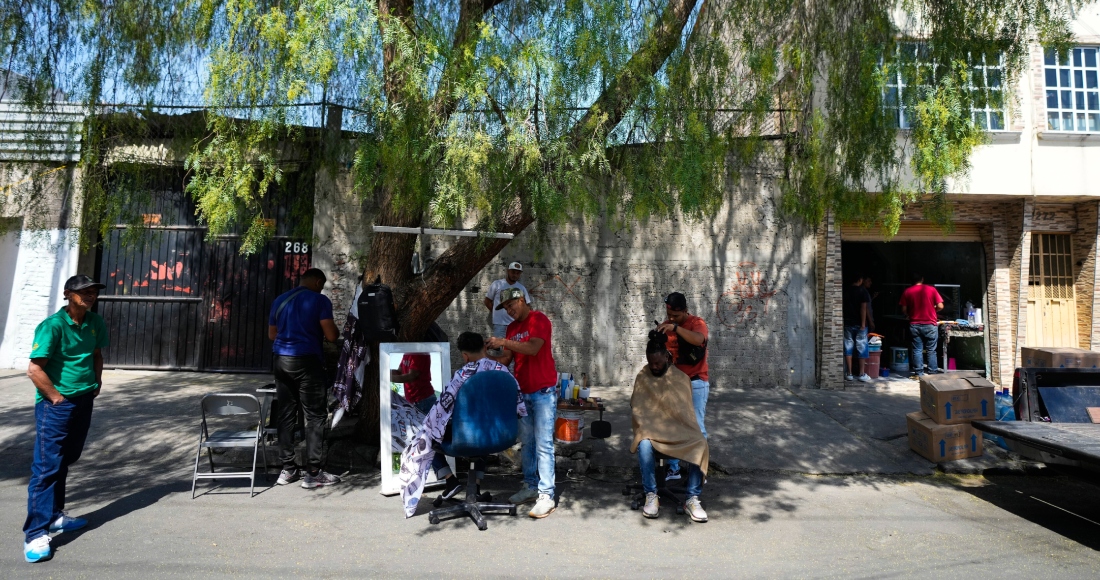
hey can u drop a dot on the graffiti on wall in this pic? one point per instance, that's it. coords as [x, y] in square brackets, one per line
[550, 290]
[748, 298]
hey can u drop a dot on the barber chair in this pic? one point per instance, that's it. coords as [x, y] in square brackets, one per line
[483, 422]
[663, 490]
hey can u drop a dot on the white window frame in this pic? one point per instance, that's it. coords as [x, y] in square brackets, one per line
[984, 117]
[1078, 103]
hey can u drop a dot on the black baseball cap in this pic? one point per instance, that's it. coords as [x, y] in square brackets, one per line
[80, 282]
[676, 301]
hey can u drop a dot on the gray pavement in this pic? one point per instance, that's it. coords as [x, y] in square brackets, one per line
[804, 483]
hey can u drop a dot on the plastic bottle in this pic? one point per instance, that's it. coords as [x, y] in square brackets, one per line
[970, 318]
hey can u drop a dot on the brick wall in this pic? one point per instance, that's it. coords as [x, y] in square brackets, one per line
[1084, 270]
[747, 272]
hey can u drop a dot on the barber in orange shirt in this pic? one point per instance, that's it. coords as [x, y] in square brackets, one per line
[687, 342]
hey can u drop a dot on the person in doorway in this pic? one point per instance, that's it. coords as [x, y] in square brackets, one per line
[528, 342]
[300, 320]
[920, 303]
[415, 370]
[870, 304]
[687, 344]
[856, 310]
[66, 367]
[420, 452]
[663, 423]
[501, 318]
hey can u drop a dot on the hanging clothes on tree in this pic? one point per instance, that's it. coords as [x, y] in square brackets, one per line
[350, 370]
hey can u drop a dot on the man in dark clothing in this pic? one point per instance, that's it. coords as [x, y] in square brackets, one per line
[856, 309]
[300, 321]
[66, 368]
[920, 302]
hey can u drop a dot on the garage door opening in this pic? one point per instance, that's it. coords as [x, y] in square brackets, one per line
[955, 268]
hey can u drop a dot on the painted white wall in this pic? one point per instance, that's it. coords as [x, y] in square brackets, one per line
[1038, 163]
[43, 260]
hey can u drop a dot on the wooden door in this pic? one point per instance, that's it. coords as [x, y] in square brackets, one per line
[1051, 304]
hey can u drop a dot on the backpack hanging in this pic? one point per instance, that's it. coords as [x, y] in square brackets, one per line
[377, 315]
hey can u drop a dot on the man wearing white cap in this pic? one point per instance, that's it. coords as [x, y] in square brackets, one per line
[501, 319]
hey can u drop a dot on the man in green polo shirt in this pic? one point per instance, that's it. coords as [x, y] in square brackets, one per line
[66, 368]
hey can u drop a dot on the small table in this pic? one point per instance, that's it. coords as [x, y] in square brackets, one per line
[589, 404]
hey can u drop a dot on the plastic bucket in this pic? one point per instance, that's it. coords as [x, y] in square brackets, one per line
[899, 359]
[569, 427]
[871, 365]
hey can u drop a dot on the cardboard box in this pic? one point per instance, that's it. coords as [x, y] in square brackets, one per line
[937, 442]
[950, 399]
[1059, 358]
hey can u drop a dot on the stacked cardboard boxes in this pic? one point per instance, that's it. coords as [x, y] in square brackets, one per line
[941, 430]
[1059, 358]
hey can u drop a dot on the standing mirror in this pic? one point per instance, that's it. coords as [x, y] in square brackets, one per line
[409, 373]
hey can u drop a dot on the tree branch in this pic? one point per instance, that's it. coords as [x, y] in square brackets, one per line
[465, 41]
[624, 89]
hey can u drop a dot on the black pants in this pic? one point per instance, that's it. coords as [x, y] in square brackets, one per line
[300, 383]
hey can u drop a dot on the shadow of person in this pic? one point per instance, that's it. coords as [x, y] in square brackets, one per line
[122, 507]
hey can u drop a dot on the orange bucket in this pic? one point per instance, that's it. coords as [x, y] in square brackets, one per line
[569, 427]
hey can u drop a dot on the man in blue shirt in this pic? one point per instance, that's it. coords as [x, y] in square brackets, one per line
[300, 321]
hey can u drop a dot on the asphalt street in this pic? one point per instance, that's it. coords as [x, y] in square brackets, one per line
[788, 517]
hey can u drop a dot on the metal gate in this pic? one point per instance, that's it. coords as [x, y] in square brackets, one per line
[178, 301]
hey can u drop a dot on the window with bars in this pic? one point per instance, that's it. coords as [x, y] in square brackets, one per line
[914, 69]
[1073, 95]
[1051, 265]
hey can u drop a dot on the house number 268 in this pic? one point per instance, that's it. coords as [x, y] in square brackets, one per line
[296, 248]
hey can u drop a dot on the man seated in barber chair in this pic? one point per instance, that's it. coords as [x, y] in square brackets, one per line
[421, 452]
[664, 422]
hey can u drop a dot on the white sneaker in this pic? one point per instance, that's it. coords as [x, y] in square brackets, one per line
[672, 474]
[864, 378]
[37, 549]
[849, 377]
[652, 505]
[695, 509]
[543, 507]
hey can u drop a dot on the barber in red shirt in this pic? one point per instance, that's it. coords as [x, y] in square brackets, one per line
[920, 302]
[528, 342]
[415, 371]
[686, 330]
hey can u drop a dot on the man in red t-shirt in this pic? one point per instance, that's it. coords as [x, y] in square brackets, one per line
[528, 342]
[415, 371]
[920, 302]
[687, 342]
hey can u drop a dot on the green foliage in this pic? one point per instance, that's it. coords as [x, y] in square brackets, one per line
[454, 114]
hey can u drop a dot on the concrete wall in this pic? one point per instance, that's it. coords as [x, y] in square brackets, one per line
[39, 252]
[746, 272]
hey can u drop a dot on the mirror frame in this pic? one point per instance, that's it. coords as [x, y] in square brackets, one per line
[390, 484]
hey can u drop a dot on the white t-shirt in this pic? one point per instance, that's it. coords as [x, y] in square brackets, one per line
[498, 286]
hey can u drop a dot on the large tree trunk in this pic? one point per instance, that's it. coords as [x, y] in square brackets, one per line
[421, 299]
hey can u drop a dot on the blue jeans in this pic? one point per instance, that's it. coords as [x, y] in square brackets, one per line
[425, 405]
[923, 336]
[648, 466]
[856, 340]
[700, 392]
[536, 432]
[60, 432]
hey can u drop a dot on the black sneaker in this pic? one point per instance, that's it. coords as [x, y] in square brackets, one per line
[452, 488]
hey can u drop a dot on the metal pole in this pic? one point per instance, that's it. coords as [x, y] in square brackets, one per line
[438, 232]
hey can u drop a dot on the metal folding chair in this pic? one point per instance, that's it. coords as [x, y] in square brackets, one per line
[228, 405]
